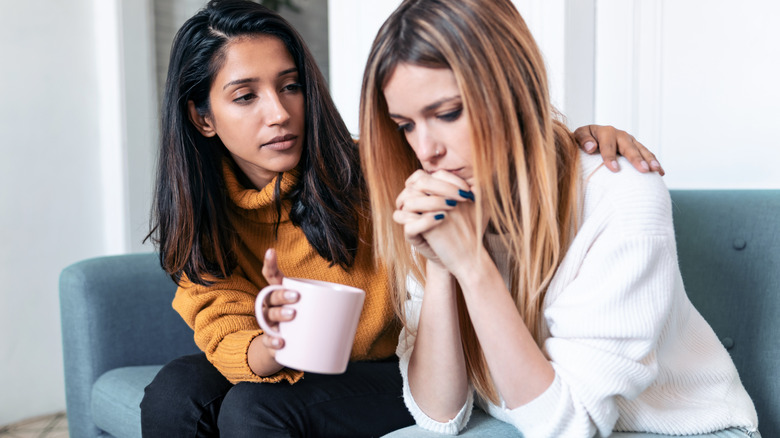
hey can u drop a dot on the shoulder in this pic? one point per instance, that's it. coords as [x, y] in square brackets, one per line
[638, 201]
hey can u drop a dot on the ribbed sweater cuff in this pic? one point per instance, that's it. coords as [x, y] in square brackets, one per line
[524, 417]
[237, 345]
[451, 427]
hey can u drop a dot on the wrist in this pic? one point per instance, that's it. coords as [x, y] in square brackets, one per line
[260, 359]
[438, 280]
[436, 270]
[474, 274]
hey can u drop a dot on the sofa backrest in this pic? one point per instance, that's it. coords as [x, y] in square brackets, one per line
[728, 244]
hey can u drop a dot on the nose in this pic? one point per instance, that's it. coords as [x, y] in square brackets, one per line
[426, 145]
[276, 112]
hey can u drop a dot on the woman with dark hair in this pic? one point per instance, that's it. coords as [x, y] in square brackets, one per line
[255, 156]
[533, 283]
[258, 175]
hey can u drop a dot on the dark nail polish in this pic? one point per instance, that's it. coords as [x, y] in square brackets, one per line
[439, 217]
[465, 194]
[451, 202]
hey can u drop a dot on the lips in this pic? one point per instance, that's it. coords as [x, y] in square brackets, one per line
[281, 139]
[281, 142]
[457, 171]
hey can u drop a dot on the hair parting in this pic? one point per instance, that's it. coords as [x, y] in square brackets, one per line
[189, 222]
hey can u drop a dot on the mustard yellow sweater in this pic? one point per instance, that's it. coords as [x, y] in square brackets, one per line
[222, 314]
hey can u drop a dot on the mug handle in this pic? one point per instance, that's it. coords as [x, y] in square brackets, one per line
[259, 306]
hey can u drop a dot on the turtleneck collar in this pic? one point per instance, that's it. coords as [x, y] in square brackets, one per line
[257, 201]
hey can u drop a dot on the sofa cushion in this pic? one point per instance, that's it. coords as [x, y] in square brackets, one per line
[116, 399]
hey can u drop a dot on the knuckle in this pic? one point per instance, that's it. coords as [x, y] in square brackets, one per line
[413, 177]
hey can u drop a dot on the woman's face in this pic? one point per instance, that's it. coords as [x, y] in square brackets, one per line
[427, 106]
[257, 108]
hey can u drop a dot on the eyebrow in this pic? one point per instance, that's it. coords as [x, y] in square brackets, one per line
[430, 107]
[250, 80]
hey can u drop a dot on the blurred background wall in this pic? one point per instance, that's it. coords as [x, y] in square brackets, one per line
[694, 80]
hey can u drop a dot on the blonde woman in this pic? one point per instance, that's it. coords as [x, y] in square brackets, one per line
[531, 280]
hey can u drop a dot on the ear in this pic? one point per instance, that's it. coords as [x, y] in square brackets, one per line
[202, 122]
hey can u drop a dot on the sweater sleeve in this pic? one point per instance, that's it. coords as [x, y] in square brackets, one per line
[222, 316]
[404, 352]
[605, 311]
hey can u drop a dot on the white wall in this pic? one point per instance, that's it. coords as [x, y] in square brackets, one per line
[139, 112]
[698, 82]
[695, 80]
[75, 184]
[50, 196]
[352, 25]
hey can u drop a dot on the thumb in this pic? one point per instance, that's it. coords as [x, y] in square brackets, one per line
[271, 270]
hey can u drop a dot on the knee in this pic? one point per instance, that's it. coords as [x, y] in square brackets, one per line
[169, 386]
[248, 410]
[184, 384]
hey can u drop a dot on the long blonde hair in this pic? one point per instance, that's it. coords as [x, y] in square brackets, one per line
[525, 159]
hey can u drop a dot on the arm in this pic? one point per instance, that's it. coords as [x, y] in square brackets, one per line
[435, 388]
[437, 370]
[603, 322]
[604, 325]
[222, 317]
[519, 369]
[447, 235]
[611, 141]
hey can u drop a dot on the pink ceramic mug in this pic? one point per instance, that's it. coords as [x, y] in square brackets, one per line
[319, 338]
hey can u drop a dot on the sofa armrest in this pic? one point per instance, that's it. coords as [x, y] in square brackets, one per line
[115, 311]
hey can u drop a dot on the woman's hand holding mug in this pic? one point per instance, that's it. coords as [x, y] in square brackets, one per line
[262, 350]
[274, 310]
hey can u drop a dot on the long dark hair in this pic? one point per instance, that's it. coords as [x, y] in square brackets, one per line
[189, 223]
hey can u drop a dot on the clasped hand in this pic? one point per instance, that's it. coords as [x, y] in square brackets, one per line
[438, 214]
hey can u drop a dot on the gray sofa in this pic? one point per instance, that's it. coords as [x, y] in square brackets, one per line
[118, 326]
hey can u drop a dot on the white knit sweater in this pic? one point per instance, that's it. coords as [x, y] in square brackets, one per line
[629, 350]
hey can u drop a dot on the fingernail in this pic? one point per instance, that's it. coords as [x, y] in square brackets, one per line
[276, 342]
[645, 165]
[268, 253]
[451, 202]
[287, 312]
[466, 195]
[590, 146]
[614, 164]
[290, 295]
[439, 217]
[655, 164]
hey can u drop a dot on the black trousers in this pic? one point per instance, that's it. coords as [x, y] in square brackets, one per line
[190, 398]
